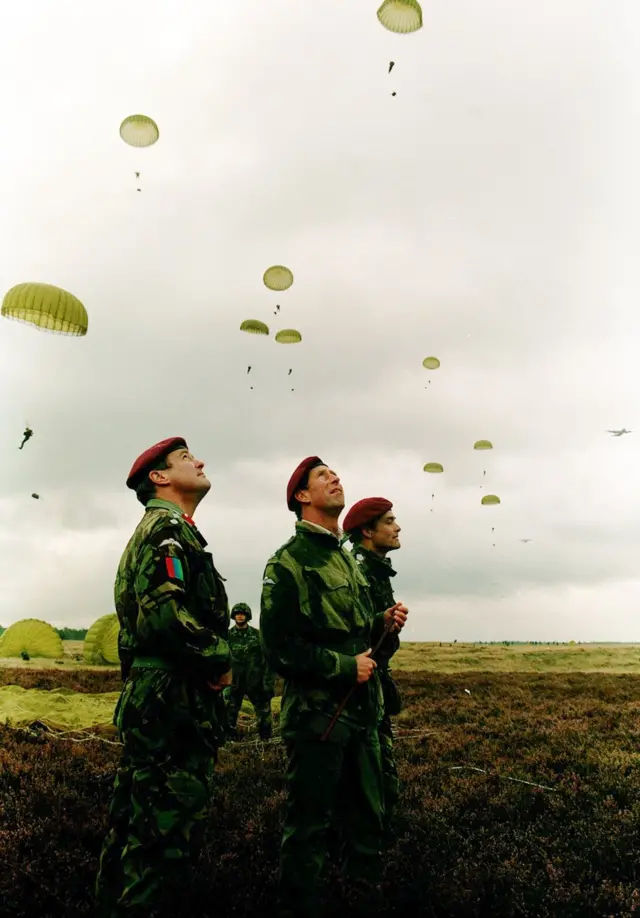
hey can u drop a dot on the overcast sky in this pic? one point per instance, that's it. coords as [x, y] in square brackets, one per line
[487, 214]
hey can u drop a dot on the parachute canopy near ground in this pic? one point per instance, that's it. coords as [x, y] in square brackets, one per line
[489, 500]
[401, 16]
[60, 709]
[31, 636]
[433, 467]
[139, 131]
[101, 641]
[254, 327]
[483, 444]
[288, 336]
[277, 277]
[47, 307]
[431, 363]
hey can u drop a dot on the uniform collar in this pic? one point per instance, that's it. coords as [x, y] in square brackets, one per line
[374, 558]
[306, 526]
[157, 503]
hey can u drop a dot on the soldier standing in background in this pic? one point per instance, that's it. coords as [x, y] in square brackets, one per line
[251, 675]
[174, 618]
[318, 628]
[372, 528]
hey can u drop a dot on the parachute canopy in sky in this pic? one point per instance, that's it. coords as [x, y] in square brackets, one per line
[254, 327]
[401, 16]
[47, 307]
[431, 363]
[37, 496]
[489, 500]
[433, 467]
[483, 444]
[37, 638]
[288, 336]
[139, 131]
[101, 641]
[278, 278]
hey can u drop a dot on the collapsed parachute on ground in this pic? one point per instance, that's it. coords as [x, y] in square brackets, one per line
[401, 16]
[47, 307]
[139, 131]
[433, 467]
[431, 363]
[490, 500]
[33, 637]
[254, 327]
[277, 277]
[59, 709]
[288, 336]
[101, 641]
[483, 444]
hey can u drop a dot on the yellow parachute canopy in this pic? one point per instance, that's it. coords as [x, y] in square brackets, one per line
[483, 444]
[139, 131]
[278, 278]
[35, 637]
[47, 307]
[433, 467]
[489, 500]
[288, 336]
[101, 641]
[60, 709]
[401, 16]
[254, 327]
[431, 363]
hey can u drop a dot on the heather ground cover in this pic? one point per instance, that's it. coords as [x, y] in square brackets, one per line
[469, 842]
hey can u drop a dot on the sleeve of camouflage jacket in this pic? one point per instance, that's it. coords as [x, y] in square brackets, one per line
[165, 625]
[287, 652]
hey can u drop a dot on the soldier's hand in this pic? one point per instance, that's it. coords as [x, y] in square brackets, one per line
[222, 682]
[399, 614]
[365, 666]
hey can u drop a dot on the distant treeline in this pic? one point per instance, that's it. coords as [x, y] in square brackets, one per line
[67, 634]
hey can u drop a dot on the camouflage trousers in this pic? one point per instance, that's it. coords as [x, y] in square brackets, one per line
[261, 702]
[159, 809]
[338, 781]
[390, 779]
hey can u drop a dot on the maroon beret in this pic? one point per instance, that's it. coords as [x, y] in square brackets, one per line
[150, 457]
[294, 482]
[364, 511]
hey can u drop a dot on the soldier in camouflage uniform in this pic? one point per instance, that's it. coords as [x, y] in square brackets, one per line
[318, 628]
[174, 618]
[372, 528]
[251, 675]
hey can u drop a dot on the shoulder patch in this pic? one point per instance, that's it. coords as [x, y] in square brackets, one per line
[268, 580]
[169, 542]
[174, 568]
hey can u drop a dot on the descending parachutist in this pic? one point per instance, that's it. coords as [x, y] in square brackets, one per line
[137, 175]
[391, 63]
[290, 371]
[28, 433]
[393, 93]
[248, 369]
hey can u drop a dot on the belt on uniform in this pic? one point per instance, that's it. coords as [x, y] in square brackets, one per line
[151, 663]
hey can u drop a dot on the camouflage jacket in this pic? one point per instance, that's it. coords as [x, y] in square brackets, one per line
[378, 572]
[250, 668]
[171, 602]
[316, 615]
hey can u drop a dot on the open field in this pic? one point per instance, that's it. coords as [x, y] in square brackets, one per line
[468, 844]
[521, 658]
[450, 658]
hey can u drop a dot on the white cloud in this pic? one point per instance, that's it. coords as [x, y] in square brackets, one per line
[485, 214]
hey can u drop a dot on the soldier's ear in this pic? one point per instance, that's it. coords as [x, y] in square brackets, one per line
[158, 476]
